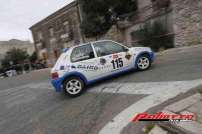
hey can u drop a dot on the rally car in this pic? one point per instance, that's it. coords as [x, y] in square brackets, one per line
[82, 65]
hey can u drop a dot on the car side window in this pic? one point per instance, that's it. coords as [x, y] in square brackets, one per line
[107, 48]
[82, 53]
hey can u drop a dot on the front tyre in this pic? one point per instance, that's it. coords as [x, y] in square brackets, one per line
[143, 62]
[73, 86]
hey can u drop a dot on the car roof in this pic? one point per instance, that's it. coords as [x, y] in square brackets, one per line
[89, 43]
[82, 44]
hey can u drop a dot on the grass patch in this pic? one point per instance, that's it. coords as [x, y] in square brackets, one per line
[148, 128]
[199, 89]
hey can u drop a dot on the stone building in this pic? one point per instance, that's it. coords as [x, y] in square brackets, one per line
[5, 46]
[57, 31]
[182, 18]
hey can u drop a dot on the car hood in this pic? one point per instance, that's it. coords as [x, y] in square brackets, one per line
[139, 49]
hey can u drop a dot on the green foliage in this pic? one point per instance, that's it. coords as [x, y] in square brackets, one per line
[33, 57]
[199, 89]
[155, 36]
[100, 15]
[148, 128]
[16, 56]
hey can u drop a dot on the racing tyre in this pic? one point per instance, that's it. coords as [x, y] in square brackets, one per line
[143, 62]
[73, 86]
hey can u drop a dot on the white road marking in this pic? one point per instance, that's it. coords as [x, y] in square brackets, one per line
[160, 92]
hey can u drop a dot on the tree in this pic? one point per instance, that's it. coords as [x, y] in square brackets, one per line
[33, 57]
[14, 56]
[100, 15]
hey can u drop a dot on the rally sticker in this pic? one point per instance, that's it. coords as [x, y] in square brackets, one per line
[87, 67]
[115, 56]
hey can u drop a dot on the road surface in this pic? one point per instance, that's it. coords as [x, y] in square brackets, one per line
[28, 103]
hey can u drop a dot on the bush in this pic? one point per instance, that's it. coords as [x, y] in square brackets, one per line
[155, 36]
[33, 57]
[100, 15]
[16, 56]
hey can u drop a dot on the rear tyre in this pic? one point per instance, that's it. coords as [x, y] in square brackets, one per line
[73, 86]
[143, 62]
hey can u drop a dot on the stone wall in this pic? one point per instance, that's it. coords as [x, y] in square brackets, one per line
[183, 18]
[165, 19]
[114, 34]
[148, 11]
[187, 16]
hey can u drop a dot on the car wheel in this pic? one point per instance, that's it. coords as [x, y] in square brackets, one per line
[143, 62]
[73, 86]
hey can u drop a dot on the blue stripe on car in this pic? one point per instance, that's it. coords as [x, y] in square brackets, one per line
[57, 83]
[150, 54]
[109, 76]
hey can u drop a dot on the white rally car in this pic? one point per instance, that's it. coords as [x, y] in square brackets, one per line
[85, 64]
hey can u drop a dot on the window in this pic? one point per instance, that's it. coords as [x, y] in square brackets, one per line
[107, 48]
[40, 35]
[81, 53]
[51, 32]
[66, 26]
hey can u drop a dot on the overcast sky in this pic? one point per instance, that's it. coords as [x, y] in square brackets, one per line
[16, 16]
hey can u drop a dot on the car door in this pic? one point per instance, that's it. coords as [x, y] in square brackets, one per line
[112, 57]
[83, 61]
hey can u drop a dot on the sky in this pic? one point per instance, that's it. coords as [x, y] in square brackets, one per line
[17, 16]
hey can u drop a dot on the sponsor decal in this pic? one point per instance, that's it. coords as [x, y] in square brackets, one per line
[102, 61]
[73, 67]
[128, 56]
[115, 56]
[62, 67]
[87, 67]
[104, 67]
[163, 117]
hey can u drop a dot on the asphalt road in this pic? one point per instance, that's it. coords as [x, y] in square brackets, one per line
[172, 65]
[28, 103]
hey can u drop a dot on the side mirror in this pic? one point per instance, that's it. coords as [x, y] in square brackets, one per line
[126, 49]
[91, 55]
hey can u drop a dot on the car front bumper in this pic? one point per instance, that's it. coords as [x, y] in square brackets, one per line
[152, 56]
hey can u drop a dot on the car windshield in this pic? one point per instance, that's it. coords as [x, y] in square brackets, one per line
[108, 47]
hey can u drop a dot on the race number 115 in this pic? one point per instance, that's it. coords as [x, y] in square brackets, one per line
[117, 63]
